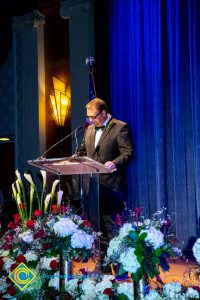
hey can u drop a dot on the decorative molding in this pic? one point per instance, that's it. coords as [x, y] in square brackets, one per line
[35, 19]
[68, 6]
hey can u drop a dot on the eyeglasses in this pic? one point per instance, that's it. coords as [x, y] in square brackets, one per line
[94, 117]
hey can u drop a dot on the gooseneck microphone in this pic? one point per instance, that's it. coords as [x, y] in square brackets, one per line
[54, 145]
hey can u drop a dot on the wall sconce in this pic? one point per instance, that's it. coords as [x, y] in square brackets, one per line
[60, 102]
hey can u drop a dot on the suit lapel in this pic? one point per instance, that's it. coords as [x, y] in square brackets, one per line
[110, 125]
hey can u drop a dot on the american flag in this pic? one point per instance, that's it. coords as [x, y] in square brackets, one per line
[92, 90]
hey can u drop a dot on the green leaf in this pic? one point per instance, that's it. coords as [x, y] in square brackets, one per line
[158, 252]
[122, 297]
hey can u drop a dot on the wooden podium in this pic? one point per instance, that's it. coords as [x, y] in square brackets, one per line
[86, 172]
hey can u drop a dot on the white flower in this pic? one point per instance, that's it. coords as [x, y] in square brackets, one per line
[30, 256]
[102, 285]
[172, 290]
[46, 202]
[154, 237]
[88, 289]
[27, 236]
[196, 250]
[191, 293]
[108, 277]
[45, 262]
[29, 178]
[153, 295]
[54, 187]
[44, 176]
[81, 239]
[59, 198]
[3, 284]
[124, 231]
[129, 261]
[54, 281]
[7, 263]
[126, 288]
[113, 248]
[71, 286]
[64, 227]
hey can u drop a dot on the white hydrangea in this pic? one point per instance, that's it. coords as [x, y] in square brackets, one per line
[71, 286]
[102, 285]
[88, 288]
[27, 236]
[81, 239]
[108, 277]
[3, 284]
[54, 281]
[64, 227]
[191, 293]
[7, 263]
[129, 260]
[45, 262]
[153, 295]
[30, 256]
[102, 297]
[126, 288]
[172, 290]
[4, 253]
[124, 231]
[154, 237]
[113, 248]
[196, 250]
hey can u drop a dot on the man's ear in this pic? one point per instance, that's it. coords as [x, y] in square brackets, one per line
[104, 113]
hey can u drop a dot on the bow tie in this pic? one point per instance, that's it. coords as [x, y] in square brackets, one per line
[100, 127]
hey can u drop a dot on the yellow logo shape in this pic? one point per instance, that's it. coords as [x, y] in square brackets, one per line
[22, 276]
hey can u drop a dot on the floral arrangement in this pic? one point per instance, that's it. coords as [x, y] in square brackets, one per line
[41, 238]
[142, 246]
[172, 291]
[196, 250]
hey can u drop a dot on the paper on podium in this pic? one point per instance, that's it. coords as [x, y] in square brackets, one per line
[70, 165]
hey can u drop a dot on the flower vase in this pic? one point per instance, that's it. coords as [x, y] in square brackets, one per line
[65, 271]
[140, 289]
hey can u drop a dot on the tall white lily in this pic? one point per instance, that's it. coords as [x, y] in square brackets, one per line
[59, 197]
[20, 210]
[18, 187]
[31, 201]
[14, 192]
[44, 176]
[46, 202]
[53, 191]
[30, 180]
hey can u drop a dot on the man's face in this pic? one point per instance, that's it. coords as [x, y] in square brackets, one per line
[97, 117]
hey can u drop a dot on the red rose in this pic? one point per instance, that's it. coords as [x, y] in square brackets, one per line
[20, 258]
[87, 223]
[11, 290]
[6, 246]
[10, 225]
[1, 263]
[30, 224]
[47, 246]
[13, 266]
[37, 213]
[9, 238]
[16, 219]
[54, 207]
[108, 292]
[39, 234]
[53, 264]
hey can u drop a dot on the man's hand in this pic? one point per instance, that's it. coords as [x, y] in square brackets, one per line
[111, 166]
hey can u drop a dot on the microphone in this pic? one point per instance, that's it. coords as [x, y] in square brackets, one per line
[54, 145]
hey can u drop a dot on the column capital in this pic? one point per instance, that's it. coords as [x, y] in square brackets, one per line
[68, 6]
[34, 19]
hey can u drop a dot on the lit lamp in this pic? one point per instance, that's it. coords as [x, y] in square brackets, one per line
[60, 102]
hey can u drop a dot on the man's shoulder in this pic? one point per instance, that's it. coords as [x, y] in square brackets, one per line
[119, 122]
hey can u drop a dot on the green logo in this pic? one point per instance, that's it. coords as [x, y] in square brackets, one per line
[22, 276]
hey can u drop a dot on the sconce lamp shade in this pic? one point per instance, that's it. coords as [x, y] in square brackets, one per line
[60, 102]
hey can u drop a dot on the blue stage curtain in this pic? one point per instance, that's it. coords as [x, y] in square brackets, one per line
[155, 87]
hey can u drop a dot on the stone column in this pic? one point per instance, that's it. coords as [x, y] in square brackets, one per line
[29, 88]
[81, 35]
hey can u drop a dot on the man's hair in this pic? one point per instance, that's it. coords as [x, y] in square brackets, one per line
[98, 104]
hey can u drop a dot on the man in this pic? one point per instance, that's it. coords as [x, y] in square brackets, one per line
[109, 142]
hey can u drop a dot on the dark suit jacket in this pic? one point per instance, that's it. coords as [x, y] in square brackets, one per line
[114, 145]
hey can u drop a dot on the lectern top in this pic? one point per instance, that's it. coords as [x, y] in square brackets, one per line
[70, 165]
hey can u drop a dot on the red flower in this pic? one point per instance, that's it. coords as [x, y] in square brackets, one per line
[30, 224]
[54, 207]
[8, 280]
[37, 213]
[10, 224]
[6, 246]
[11, 290]
[20, 258]
[9, 238]
[1, 263]
[118, 220]
[13, 266]
[108, 292]
[39, 234]
[16, 219]
[87, 223]
[47, 246]
[54, 264]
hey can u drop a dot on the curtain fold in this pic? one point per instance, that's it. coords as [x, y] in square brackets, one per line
[155, 82]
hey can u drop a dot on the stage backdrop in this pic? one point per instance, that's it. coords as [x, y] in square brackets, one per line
[155, 86]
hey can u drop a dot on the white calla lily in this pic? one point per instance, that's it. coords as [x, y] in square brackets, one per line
[59, 194]
[19, 202]
[44, 176]
[29, 178]
[18, 177]
[18, 187]
[14, 191]
[46, 202]
[54, 187]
